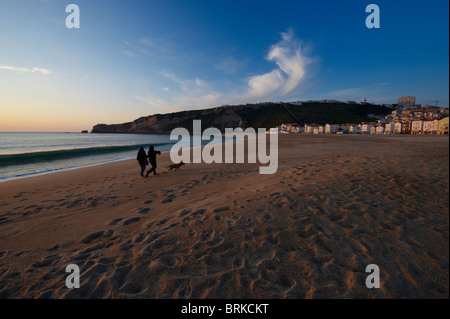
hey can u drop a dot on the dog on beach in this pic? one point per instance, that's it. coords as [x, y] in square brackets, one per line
[176, 167]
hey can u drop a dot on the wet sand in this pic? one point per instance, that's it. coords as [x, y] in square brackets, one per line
[336, 205]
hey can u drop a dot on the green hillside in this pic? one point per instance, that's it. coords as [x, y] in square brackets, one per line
[266, 115]
[272, 115]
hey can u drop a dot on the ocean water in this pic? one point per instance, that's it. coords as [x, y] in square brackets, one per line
[28, 154]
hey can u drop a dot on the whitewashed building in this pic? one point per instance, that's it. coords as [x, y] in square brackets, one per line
[379, 129]
[309, 128]
[366, 127]
[355, 129]
[295, 128]
[331, 128]
[285, 126]
[389, 128]
[416, 126]
[318, 129]
[344, 128]
[398, 127]
[430, 127]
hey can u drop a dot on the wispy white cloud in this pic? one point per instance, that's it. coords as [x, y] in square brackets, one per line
[288, 56]
[193, 93]
[284, 79]
[162, 45]
[174, 78]
[263, 86]
[179, 103]
[27, 70]
[148, 47]
[230, 65]
[191, 87]
[130, 54]
[158, 104]
[133, 50]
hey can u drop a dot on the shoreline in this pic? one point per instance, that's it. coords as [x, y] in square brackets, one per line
[58, 170]
[68, 168]
[36, 174]
[335, 205]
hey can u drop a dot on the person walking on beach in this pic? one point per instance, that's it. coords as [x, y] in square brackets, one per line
[152, 159]
[142, 159]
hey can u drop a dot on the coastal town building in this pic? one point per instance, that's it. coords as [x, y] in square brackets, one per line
[284, 127]
[344, 128]
[295, 128]
[373, 129]
[407, 101]
[416, 126]
[430, 126]
[355, 129]
[331, 128]
[389, 128]
[309, 128]
[443, 126]
[379, 129]
[405, 120]
[366, 127]
[406, 126]
[398, 127]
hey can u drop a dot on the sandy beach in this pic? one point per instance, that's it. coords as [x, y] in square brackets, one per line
[336, 205]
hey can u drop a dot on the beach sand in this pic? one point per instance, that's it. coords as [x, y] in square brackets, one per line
[336, 205]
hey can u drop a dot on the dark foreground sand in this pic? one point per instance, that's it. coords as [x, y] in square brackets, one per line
[337, 204]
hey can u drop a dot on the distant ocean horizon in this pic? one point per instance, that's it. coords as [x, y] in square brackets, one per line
[29, 154]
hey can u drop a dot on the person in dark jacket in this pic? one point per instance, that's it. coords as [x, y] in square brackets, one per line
[152, 159]
[142, 159]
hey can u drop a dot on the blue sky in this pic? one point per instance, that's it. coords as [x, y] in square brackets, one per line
[135, 58]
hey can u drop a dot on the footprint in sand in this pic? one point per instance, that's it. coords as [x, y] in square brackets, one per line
[139, 238]
[126, 246]
[89, 239]
[184, 212]
[142, 210]
[46, 262]
[163, 221]
[221, 209]
[115, 221]
[131, 220]
[199, 212]
[56, 247]
[169, 198]
[163, 262]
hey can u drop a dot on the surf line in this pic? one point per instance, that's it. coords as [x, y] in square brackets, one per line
[212, 152]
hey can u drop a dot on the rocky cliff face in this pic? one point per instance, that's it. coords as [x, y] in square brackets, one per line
[265, 115]
[220, 118]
